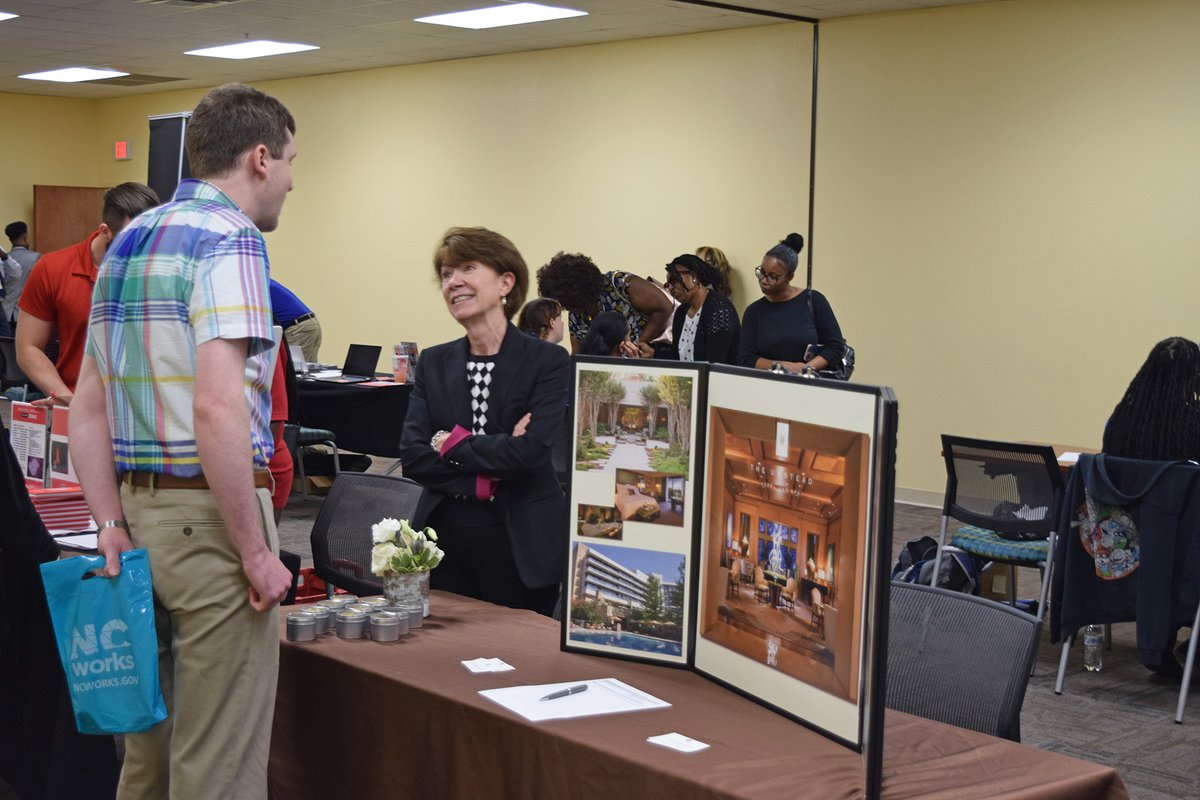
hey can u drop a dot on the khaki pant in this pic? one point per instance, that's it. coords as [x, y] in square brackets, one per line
[218, 657]
[307, 336]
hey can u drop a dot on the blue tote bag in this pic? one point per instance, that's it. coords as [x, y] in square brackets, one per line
[106, 640]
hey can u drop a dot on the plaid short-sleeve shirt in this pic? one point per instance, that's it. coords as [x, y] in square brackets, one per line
[179, 275]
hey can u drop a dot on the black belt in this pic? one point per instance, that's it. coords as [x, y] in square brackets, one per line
[299, 319]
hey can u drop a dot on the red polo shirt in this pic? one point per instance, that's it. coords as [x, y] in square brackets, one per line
[59, 290]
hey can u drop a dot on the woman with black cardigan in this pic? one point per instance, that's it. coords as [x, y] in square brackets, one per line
[706, 325]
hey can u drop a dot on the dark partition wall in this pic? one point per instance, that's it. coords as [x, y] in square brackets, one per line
[168, 163]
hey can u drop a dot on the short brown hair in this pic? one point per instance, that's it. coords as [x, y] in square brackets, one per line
[538, 314]
[460, 245]
[230, 120]
[124, 202]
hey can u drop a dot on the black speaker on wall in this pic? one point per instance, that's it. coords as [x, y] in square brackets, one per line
[168, 163]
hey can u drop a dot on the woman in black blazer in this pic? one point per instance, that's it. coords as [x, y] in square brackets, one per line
[481, 420]
[705, 326]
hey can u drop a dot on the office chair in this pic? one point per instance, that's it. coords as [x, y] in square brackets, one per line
[959, 659]
[1008, 497]
[1149, 511]
[341, 535]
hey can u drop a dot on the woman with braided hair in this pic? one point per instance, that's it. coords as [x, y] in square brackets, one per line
[1158, 419]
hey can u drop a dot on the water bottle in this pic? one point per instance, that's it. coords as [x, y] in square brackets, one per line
[1093, 642]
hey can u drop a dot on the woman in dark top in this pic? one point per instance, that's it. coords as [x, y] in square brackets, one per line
[484, 413]
[1158, 419]
[575, 281]
[785, 327]
[705, 327]
[608, 335]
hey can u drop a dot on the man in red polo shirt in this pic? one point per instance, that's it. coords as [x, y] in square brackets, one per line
[58, 296]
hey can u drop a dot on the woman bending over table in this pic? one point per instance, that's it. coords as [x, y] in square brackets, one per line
[575, 281]
[788, 327]
[483, 415]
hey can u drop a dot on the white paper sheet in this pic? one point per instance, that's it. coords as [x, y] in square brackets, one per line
[603, 696]
[77, 541]
[1068, 458]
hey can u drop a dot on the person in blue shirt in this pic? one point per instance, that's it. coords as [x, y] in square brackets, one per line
[298, 321]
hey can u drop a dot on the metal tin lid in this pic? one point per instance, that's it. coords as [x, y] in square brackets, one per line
[377, 600]
[351, 615]
[385, 618]
[317, 611]
[301, 618]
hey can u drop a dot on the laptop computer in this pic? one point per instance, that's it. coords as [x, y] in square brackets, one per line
[361, 360]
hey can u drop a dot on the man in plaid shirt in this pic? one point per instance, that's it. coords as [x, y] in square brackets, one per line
[178, 359]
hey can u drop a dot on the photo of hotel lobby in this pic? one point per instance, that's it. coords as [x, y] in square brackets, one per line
[782, 545]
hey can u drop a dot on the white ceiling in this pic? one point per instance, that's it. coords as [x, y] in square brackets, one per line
[148, 37]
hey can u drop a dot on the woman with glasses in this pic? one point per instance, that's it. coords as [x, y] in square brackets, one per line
[788, 328]
[706, 326]
[575, 281]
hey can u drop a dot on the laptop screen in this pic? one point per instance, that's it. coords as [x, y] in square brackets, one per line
[361, 359]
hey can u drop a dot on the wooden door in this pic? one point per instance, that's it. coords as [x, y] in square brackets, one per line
[64, 215]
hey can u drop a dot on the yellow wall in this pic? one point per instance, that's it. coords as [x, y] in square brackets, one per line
[1006, 192]
[631, 152]
[1007, 209]
[45, 140]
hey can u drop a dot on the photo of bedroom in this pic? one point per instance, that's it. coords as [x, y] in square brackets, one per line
[654, 497]
[783, 541]
[633, 421]
[603, 522]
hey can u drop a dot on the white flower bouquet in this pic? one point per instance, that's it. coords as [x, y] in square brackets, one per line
[399, 548]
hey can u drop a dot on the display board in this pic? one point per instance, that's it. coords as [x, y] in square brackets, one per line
[775, 523]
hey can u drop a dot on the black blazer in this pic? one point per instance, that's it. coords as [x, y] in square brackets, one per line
[531, 377]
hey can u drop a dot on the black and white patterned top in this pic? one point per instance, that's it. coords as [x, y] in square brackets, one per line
[479, 376]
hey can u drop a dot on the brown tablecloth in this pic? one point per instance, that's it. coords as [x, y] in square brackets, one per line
[361, 719]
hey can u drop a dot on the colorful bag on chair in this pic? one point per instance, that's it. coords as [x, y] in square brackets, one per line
[106, 640]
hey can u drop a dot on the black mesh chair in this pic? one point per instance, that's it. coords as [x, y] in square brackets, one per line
[1007, 497]
[959, 659]
[341, 536]
[11, 374]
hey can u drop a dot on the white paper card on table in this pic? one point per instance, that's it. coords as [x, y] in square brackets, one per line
[677, 741]
[602, 696]
[488, 665]
[1068, 458]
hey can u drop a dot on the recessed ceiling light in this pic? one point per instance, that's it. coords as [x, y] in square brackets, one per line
[74, 75]
[498, 16]
[256, 49]
[5, 15]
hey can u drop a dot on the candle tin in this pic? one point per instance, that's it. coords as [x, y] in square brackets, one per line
[387, 626]
[322, 616]
[301, 626]
[351, 624]
[416, 615]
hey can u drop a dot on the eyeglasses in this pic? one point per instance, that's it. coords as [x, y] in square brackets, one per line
[767, 277]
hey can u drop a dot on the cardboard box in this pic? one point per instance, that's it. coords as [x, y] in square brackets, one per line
[993, 582]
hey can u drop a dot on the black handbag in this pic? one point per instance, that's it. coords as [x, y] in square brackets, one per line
[840, 370]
